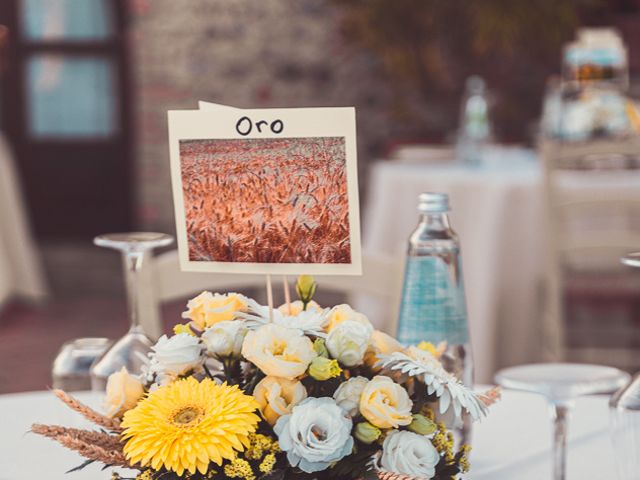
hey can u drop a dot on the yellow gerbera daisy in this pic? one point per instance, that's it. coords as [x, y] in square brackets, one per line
[189, 424]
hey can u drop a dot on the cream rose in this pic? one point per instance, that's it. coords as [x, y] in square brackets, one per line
[348, 342]
[208, 309]
[176, 355]
[123, 392]
[279, 351]
[409, 454]
[385, 403]
[348, 394]
[224, 339]
[294, 308]
[343, 313]
[381, 344]
[277, 396]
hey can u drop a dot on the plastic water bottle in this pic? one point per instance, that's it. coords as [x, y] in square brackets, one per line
[433, 304]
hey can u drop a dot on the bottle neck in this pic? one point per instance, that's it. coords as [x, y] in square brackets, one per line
[435, 221]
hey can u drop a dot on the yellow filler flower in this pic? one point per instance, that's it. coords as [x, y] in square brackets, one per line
[189, 424]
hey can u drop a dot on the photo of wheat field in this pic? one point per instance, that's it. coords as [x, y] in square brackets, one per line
[273, 200]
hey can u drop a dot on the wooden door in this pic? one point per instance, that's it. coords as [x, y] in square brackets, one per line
[65, 109]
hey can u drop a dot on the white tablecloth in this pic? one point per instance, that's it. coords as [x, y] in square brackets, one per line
[498, 215]
[20, 268]
[513, 443]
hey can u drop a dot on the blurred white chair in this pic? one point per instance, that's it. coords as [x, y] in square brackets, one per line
[592, 211]
[164, 282]
[21, 272]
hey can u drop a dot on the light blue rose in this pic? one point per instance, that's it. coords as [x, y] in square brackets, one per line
[315, 434]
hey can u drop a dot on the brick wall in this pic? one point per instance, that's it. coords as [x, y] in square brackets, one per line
[246, 53]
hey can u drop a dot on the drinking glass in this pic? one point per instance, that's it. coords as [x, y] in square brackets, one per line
[561, 384]
[625, 415]
[72, 365]
[132, 349]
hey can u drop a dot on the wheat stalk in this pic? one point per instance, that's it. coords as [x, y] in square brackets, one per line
[73, 441]
[99, 439]
[395, 476]
[491, 396]
[112, 424]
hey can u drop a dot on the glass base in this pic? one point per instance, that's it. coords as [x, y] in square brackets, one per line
[130, 352]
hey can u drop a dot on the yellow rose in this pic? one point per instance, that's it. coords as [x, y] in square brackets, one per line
[385, 403]
[294, 308]
[123, 392]
[208, 309]
[277, 396]
[342, 313]
[381, 344]
[279, 351]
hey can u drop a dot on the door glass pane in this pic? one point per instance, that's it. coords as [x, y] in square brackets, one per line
[66, 19]
[70, 96]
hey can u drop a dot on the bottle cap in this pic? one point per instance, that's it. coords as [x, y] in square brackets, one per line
[433, 202]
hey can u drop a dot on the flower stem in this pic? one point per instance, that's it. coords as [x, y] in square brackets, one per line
[232, 371]
[208, 372]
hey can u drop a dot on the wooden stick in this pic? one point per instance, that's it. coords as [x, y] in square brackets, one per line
[270, 297]
[287, 294]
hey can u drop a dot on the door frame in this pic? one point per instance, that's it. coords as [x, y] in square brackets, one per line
[13, 94]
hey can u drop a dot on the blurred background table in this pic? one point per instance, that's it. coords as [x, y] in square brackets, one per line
[513, 442]
[497, 213]
[20, 269]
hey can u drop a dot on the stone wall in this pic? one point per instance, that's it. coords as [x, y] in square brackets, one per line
[246, 53]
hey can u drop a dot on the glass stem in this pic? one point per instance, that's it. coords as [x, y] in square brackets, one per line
[133, 262]
[560, 413]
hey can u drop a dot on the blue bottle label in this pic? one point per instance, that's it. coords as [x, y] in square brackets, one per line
[433, 304]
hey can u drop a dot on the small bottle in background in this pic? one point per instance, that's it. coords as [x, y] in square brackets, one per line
[433, 306]
[474, 133]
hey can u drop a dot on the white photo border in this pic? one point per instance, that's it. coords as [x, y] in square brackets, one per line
[220, 123]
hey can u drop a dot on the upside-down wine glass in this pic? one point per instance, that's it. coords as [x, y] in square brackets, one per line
[561, 384]
[131, 350]
[625, 415]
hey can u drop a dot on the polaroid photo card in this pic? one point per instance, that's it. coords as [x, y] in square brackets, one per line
[266, 190]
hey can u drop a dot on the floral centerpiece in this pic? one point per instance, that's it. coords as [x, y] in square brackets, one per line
[244, 391]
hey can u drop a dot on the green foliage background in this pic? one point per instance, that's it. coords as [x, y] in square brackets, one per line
[427, 48]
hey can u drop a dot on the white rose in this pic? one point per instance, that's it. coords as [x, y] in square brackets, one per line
[315, 434]
[385, 403]
[176, 355]
[343, 313]
[279, 351]
[347, 396]
[224, 339]
[123, 392]
[277, 396]
[409, 454]
[348, 342]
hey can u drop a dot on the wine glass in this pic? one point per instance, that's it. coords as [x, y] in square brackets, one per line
[132, 349]
[561, 384]
[625, 415]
